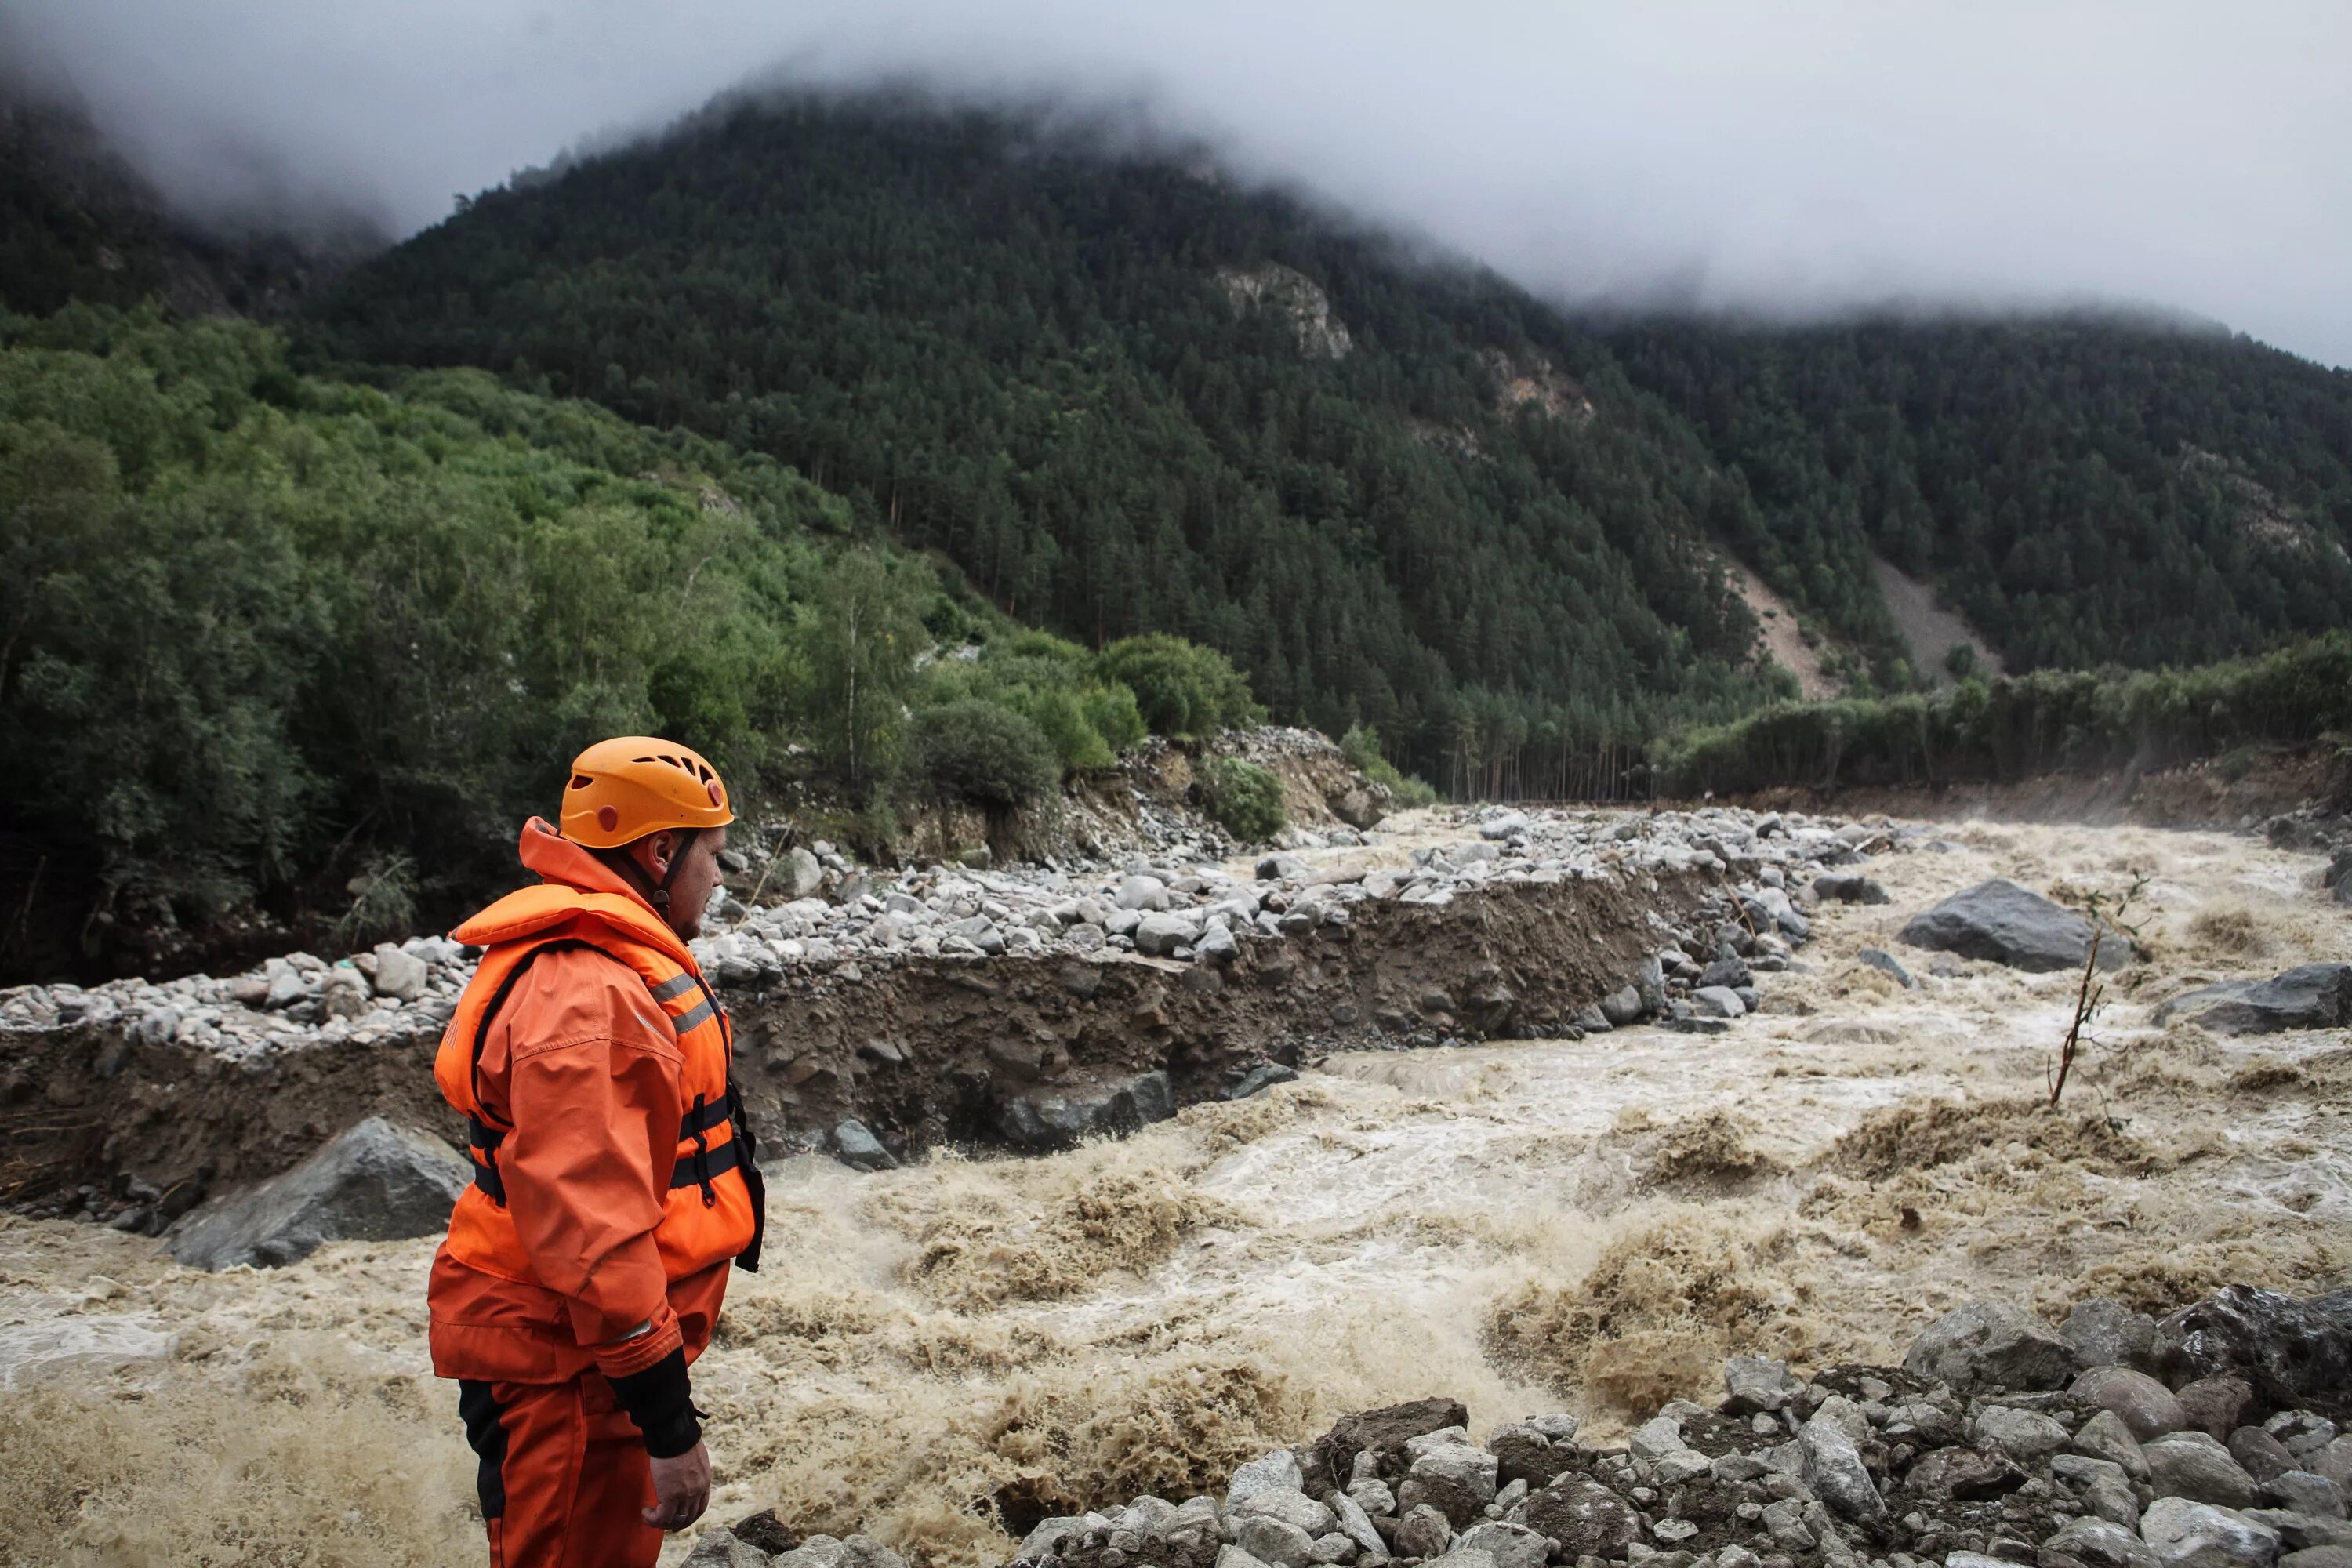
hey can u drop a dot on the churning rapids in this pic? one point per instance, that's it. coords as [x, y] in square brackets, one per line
[1522, 1226]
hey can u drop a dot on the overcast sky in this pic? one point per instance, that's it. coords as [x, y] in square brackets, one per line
[1784, 158]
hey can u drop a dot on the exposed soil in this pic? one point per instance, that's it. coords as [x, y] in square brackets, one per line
[924, 1052]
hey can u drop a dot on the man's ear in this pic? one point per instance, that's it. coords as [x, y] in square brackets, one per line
[664, 845]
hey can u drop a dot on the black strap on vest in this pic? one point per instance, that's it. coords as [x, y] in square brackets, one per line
[694, 1170]
[740, 1152]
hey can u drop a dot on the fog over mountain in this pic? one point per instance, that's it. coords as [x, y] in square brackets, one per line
[1695, 153]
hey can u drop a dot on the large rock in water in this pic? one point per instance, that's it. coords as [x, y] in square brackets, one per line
[1038, 1122]
[2306, 1346]
[2001, 923]
[371, 1183]
[2312, 996]
[1991, 1344]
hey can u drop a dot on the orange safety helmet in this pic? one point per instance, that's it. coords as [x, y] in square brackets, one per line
[625, 788]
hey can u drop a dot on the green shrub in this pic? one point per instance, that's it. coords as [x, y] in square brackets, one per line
[2048, 721]
[987, 753]
[1112, 712]
[1061, 717]
[1361, 747]
[1180, 688]
[1244, 799]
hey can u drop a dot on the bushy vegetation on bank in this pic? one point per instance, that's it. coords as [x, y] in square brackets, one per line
[265, 635]
[2007, 728]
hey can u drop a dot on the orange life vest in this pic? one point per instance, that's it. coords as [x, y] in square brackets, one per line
[714, 1207]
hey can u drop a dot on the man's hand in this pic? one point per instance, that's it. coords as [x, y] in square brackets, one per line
[681, 1490]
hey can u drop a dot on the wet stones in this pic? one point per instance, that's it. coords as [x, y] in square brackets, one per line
[1586, 1518]
[2311, 996]
[2304, 1345]
[1383, 1433]
[2001, 923]
[2192, 1465]
[371, 1183]
[1831, 1466]
[2105, 1333]
[2098, 1543]
[2186, 1535]
[855, 1145]
[1752, 1384]
[2145, 1406]
[1449, 1475]
[1991, 1344]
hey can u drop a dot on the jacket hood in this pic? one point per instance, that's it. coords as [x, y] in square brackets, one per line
[573, 883]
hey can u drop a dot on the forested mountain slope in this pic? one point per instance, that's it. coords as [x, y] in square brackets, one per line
[1125, 397]
[2085, 491]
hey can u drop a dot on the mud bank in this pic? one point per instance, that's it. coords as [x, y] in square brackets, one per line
[927, 1051]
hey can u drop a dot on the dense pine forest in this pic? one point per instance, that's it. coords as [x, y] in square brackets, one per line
[2084, 491]
[1125, 395]
[1108, 390]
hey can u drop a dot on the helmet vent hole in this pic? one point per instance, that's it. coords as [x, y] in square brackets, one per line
[580, 781]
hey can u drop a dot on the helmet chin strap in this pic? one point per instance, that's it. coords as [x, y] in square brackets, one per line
[655, 893]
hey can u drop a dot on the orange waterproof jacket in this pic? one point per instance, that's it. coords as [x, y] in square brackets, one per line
[613, 1175]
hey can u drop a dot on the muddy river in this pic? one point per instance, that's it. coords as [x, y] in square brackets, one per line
[1532, 1225]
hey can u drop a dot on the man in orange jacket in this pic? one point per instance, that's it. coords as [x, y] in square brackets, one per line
[614, 1181]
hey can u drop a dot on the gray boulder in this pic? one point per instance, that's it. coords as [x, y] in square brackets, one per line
[2001, 923]
[2192, 1465]
[1991, 1344]
[2104, 1437]
[1586, 1518]
[2305, 1493]
[1454, 1479]
[2105, 1333]
[1423, 1531]
[2262, 1455]
[1271, 1540]
[1719, 1001]
[399, 975]
[1511, 1545]
[1623, 1007]
[2306, 1346]
[1038, 1122]
[1289, 1505]
[855, 1145]
[2102, 1545]
[1833, 1466]
[1849, 888]
[1260, 1079]
[804, 874]
[2185, 1535]
[2144, 1404]
[2026, 1436]
[1277, 1471]
[1752, 1384]
[718, 1548]
[2310, 996]
[1142, 894]
[372, 1182]
[1160, 935]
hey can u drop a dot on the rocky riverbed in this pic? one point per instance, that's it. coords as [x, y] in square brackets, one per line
[945, 1355]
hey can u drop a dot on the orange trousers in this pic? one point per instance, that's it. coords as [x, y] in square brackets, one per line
[561, 1476]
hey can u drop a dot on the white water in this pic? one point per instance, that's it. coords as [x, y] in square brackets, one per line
[1525, 1226]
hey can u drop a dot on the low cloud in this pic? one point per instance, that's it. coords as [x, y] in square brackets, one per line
[1790, 160]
